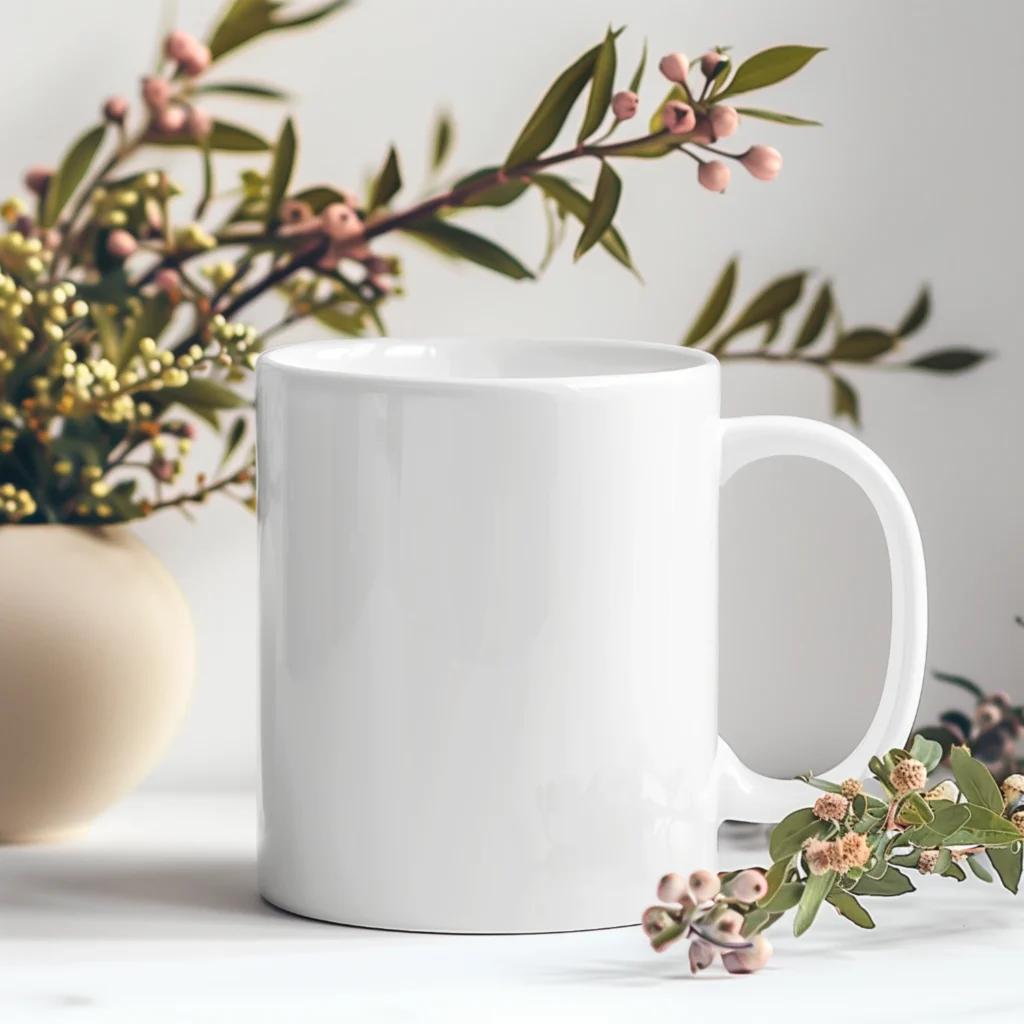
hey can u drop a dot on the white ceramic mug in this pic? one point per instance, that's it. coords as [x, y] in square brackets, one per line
[489, 588]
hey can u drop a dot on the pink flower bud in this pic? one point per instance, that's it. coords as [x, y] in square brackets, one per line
[730, 925]
[51, 239]
[170, 120]
[702, 133]
[678, 117]
[749, 886]
[675, 67]
[162, 469]
[188, 430]
[625, 104]
[713, 175]
[115, 109]
[179, 44]
[168, 280]
[704, 885]
[702, 955]
[37, 179]
[763, 162]
[711, 61]
[724, 121]
[196, 61]
[672, 888]
[156, 93]
[655, 920]
[121, 244]
[746, 961]
[200, 123]
[340, 222]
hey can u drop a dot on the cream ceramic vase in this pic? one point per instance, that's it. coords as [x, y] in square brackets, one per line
[97, 662]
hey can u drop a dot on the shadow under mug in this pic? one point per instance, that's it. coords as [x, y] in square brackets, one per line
[488, 593]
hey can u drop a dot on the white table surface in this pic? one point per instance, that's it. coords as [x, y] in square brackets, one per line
[154, 917]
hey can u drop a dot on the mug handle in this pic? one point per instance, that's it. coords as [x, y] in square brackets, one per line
[744, 794]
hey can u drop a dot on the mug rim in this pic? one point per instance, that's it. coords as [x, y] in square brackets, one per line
[283, 358]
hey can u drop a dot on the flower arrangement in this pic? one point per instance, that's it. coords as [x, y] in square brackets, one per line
[849, 845]
[123, 302]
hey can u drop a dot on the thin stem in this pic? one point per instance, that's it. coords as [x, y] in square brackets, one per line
[720, 152]
[196, 496]
[690, 153]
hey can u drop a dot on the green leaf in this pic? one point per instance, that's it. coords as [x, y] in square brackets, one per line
[107, 331]
[1007, 861]
[253, 90]
[943, 863]
[906, 860]
[338, 320]
[785, 898]
[600, 88]
[789, 836]
[965, 684]
[815, 891]
[817, 316]
[844, 400]
[775, 876]
[281, 169]
[229, 138]
[499, 195]
[954, 870]
[927, 751]
[234, 439]
[949, 360]
[444, 132]
[714, 308]
[768, 67]
[947, 822]
[246, 20]
[602, 209]
[634, 83]
[319, 196]
[916, 316]
[892, 883]
[985, 827]
[546, 121]
[578, 206]
[387, 183]
[754, 922]
[975, 782]
[647, 149]
[463, 244]
[976, 867]
[914, 809]
[205, 398]
[771, 115]
[769, 304]
[69, 175]
[861, 345]
[849, 908]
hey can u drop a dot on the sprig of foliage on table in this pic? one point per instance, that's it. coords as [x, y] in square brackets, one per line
[993, 728]
[850, 846]
[777, 325]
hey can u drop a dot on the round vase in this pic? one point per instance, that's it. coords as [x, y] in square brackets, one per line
[97, 663]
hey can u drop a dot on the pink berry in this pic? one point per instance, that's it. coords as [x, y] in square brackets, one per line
[170, 120]
[339, 222]
[702, 133]
[115, 109]
[200, 123]
[678, 117]
[179, 44]
[713, 175]
[702, 955]
[675, 67]
[672, 888]
[710, 63]
[195, 61]
[746, 961]
[704, 885]
[156, 93]
[168, 280]
[37, 179]
[121, 244]
[749, 886]
[724, 121]
[763, 162]
[625, 104]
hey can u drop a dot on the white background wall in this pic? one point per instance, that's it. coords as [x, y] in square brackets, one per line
[912, 179]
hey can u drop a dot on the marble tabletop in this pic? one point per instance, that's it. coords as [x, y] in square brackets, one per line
[153, 917]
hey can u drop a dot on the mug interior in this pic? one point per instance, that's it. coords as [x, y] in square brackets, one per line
[496, 359]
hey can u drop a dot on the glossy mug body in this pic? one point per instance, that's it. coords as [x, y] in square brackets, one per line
[488, 590]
